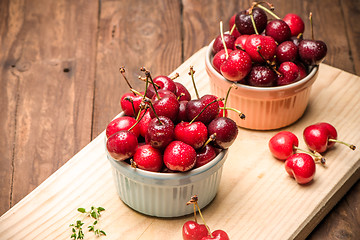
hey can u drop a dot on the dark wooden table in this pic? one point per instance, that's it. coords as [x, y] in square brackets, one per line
[60, 84]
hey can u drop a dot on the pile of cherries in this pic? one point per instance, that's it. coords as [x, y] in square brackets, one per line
[266, 53]
[318, 137]
[192, 230]
[164, 130]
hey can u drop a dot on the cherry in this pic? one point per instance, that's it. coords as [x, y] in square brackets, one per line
[300, 166]
[193, 133]
[261, 76]
[205, 155]
[321, 136]
[244, 23]
[165, 83]
[237, 66]
[160, 132]
[279, 30]
[207, 106]
[179, 156]
[193, 231]
[260, 48]
[148, 158]
[166, 106]
[163, 93]
[312, 52]
[286, 52]
[182, 115]
[122, 123]
[144, 122]
[295, 23]
[283, 144]
[296, 40]
[219, 58]
[130, 104]
[181, 92]
[122, 145]
[225, 131]
[234, 32]
[240, 42]
[218, 43]
[218, 235]
[302, 69]
[289, 73]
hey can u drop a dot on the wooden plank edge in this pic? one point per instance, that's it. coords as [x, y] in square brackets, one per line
[328, 203]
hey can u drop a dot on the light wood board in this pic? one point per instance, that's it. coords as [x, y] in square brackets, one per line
[256, 198]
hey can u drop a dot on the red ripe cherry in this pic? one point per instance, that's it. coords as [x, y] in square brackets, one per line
[237, 66]
[289, 73]
[225, 131]
[240, 42]
[262, 76]
[122, 123]
[148, 158]
[122, 145]
[235, 32]
[244, 23]
[179, 156]
[160, 132]
[219, 58]
[195, 106]
[218, 235]
[144, 122]
[295, 23]
[127, 106]
[221, 113]
[182, 115]
[205, 155]
[283, 144]
[165, 83]
[163, 93]
[193, 231]
[279, 30]
[301, 166]
[321, 136]
[181, 92]
[195, 134]
[266, 44]
[302, 70]
[286, 52]
[218, 44]
[167, 106]
[312, 52]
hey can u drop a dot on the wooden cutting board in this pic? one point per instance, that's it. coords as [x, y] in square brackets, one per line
[256, 199]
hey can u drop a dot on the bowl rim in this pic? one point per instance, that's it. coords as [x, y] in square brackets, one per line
[209, 56]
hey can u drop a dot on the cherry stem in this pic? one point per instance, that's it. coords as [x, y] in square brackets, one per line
[270, 11]
[232, 29]
[175, 77]
[351, 146]
[311, 26]
[227, 96]
[122, 71]
[148, 76]
[273, 66]
[241, 115]
[194, 200]
[133, 163]
[211, 138]
[222, 39]
[202, 110]
[193, 80]
[180, 95]
[253, 22]
[137, 121]
[147, 100]
[316, 155]
[144, 79]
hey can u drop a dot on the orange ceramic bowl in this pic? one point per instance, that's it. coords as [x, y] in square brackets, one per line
[265, 108]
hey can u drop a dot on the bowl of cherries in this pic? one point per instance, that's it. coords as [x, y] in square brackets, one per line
[272, 65]
[165, 147]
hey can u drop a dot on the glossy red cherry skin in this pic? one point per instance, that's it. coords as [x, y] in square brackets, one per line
[148, 158]
[193, 231]
[218, 235]
[122, 123]
[160, 134]
[301, 166]
[181, 92]
[179, 156]
[122, 145]
[126, 105]
[267, 48]
[205, 155]
[195, 134]
[167, 106]
[282, 144]
[278, 30]
[218, 43]
[317, 136]
[235, 33]
[237, 66]
[295, 23]
[219, 58]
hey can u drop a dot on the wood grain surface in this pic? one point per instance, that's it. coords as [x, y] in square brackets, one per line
[60, 81]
